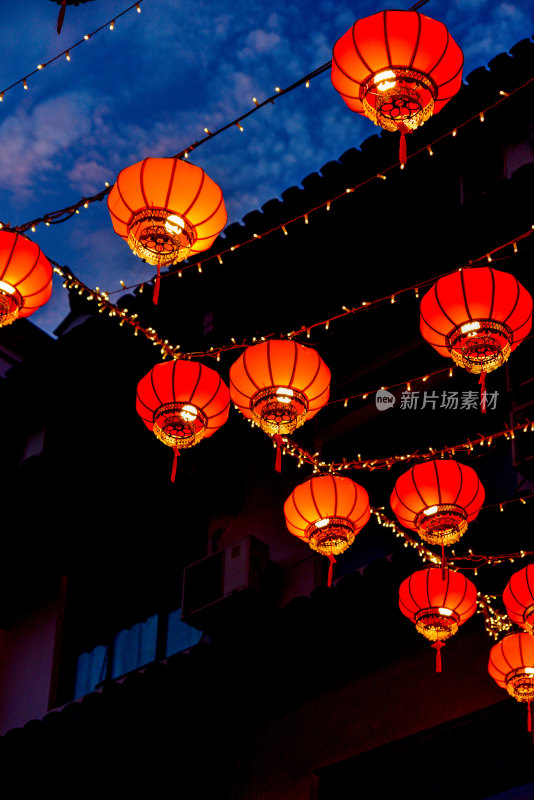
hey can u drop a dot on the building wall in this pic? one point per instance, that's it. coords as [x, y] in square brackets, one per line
[26, 661]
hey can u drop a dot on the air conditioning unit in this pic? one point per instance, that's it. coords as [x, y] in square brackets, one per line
[213, 579]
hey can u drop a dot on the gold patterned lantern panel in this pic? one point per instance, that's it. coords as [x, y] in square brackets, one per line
[511, 665]
[437, 601]
[25, 277]
[327, 512]
[279, 384]
[182, 402]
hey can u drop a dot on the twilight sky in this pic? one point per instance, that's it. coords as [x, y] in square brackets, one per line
[150, 86]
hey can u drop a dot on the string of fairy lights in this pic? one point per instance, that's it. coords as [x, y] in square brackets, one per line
[62, 215]
[110, 24]
[495, 622]
[70, 281]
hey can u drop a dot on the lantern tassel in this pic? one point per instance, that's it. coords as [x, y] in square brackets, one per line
[330, 570]
[437, 647]
[174, 463]
[482, 382]
[402, 148]
[155, 296]
[278, 460]
[529, 719]
[61, 16]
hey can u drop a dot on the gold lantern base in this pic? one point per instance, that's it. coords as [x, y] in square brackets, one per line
[179, 425]
[441, 525]
[480, 345]
[398, 98]
[435, 624]
[331, 537]
[160, 237]
[10, 304]
[279, 410]
[520, 684]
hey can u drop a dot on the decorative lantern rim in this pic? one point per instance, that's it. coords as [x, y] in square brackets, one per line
[279, 409]
[333, 537]
[179, 424]
[442, 524]
[465, 341]
[435, 625]
[173, 245]
[11, 303]
[520, 684]
[402, 93]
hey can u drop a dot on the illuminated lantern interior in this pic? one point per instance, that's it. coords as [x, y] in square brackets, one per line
[327, 512]
[166, 209]
[182, 402]
[477, 316]
[518, 598]
[25, 277]
[397, 68]
[438, 499]
[437, 601]
[511, 665]
[279, 384]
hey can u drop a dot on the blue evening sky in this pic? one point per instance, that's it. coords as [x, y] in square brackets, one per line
[149, 87]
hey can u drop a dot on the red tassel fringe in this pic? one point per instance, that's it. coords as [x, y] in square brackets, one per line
[61, 16]
[174, 463]
[402, 148]
[330, 570]
[437, 647]
[482, 382]
[155, 296]
[278, 460]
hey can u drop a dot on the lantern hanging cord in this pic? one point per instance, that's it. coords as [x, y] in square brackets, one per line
[68, 50]
[62, 215]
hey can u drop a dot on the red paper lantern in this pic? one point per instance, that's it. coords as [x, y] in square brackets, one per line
[397, 68]
[279, 384]
[166, 209]
[438, 499]
[477, 316]
[182, 402]
[327, 512]
[437, 601]
[518, 598]
[511, 665]
[25, 277]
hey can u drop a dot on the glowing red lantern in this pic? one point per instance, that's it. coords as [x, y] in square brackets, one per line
[397, 68]
[477, 316]
[25, 277]
[279, 384]
[438, 499]
[327, 512]
[518, 598]
[511, 665]
[166, 209]
[182, 402]
[437, 602]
